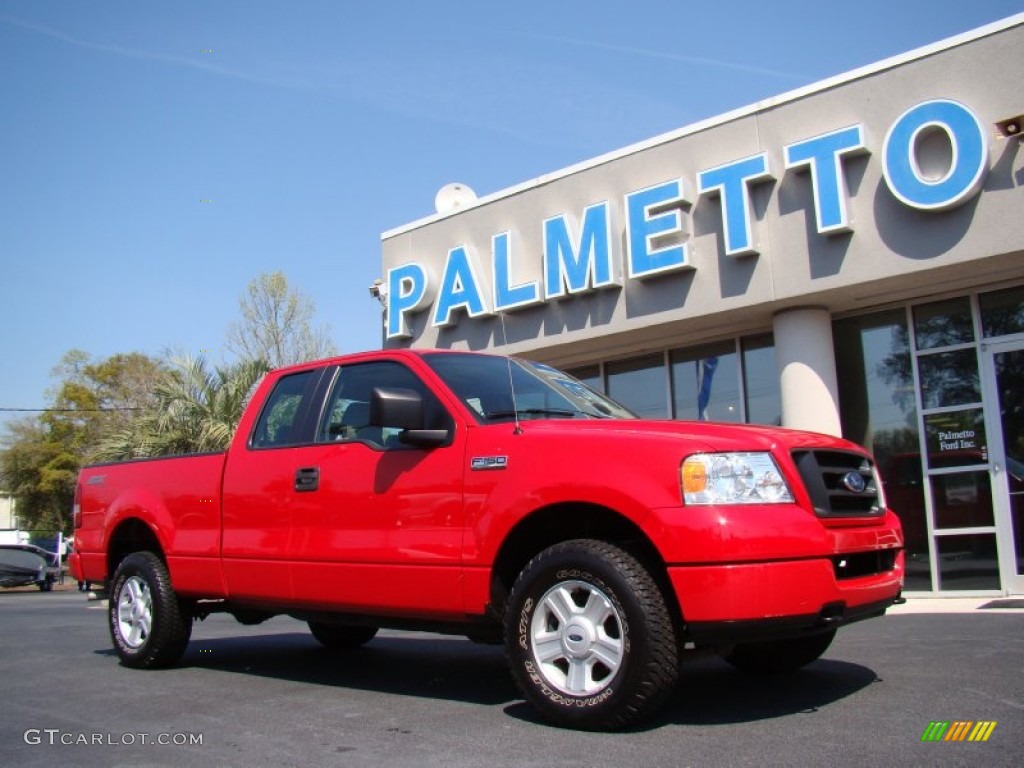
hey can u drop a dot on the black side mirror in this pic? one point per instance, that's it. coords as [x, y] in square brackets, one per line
[399, 408]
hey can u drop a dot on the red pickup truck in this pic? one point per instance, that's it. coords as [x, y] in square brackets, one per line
[502, 500]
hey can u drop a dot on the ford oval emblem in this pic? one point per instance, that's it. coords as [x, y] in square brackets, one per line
[854, 482]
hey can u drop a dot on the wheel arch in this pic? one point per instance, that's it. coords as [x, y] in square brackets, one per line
[573, 520]
[131, 535]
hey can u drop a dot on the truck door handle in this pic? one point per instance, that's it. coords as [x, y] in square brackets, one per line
[307, 478]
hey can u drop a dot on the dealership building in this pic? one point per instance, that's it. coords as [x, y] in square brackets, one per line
[846, 258]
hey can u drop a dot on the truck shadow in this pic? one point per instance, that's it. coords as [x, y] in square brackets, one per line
[710, 692]
[713, 693]
[426, 666]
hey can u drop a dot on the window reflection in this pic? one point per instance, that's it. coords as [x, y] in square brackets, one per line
[968, 562]
[705, 383]
[878, 410]
[640, 385]
[949, 378]
[943, 323]
[761, 382]
[962, 500]
[589, 375]
[1009, 375]
[956, 438]
[1002, 312]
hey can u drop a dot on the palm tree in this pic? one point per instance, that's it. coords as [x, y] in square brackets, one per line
[197, 410]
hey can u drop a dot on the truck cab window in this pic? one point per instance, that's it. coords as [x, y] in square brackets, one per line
[347, 415]
[279, 423]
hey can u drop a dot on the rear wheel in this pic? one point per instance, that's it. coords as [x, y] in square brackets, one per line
[589, 636]
[149, 626]
[780, 655]
[341, 636]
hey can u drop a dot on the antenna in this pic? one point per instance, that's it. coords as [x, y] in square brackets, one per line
[453, 196]
[508, 361]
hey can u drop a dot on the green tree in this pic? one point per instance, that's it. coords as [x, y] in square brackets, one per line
[42, 454]
[96, 398]
[35, 470]
[277, 324]
[197, 409]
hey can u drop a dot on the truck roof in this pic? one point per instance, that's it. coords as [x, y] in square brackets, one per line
[393, 354]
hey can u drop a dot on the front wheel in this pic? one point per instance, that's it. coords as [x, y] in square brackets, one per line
[773, 656]
[148, 624]
[589, 636]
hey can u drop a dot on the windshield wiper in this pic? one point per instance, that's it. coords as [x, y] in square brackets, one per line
[531, 412]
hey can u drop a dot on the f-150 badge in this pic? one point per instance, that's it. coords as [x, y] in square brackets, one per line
[488, 462]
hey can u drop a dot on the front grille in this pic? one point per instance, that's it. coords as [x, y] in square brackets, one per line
[864, 563]
[840, 483]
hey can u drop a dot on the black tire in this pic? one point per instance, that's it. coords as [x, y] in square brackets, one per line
[341, 636]
[775, 656]
[614, 659]
[149, 626]
[46, 585]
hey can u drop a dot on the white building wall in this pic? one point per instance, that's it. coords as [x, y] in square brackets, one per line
[8, 518]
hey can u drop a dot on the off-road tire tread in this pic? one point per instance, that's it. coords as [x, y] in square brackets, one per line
[661, 669]
[172, 624]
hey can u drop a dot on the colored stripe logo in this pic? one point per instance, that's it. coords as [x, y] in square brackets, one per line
[958, 730]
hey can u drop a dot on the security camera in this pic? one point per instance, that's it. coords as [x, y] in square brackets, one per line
[379, 291]
[1011, 127]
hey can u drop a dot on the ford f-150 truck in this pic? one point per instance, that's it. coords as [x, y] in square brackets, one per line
[502, 500]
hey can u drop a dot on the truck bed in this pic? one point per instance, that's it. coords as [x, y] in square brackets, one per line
[181, 494]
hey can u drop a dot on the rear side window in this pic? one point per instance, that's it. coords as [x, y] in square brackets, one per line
[281, 420]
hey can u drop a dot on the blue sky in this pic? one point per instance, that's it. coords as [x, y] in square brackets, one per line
[312, 126]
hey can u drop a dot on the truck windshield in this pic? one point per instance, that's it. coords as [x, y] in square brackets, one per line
[505, 388]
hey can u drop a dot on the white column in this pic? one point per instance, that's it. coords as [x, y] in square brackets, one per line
[807, 365]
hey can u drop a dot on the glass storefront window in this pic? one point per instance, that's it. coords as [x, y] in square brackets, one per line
[640, 385]
[962, 500]
[876, 385]
[1009, 370]
[761, 382]
[943, 323]
[1002, 312]
[917, 576]
[589, 375]
[968, 562]
[949, 378]
[878, 409]
[956, 438]
[705, 383]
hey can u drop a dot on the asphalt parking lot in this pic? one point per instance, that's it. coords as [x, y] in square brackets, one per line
[271, 696]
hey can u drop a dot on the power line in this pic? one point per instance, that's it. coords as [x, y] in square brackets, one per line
[66, 410]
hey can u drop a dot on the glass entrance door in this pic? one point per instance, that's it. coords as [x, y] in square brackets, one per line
[1004, 384]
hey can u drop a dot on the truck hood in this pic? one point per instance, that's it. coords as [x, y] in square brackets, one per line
[713, 436]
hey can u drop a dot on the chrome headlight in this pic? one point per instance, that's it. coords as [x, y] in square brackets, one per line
[733, 478]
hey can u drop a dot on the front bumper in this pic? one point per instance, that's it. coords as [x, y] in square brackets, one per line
[749, 601]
